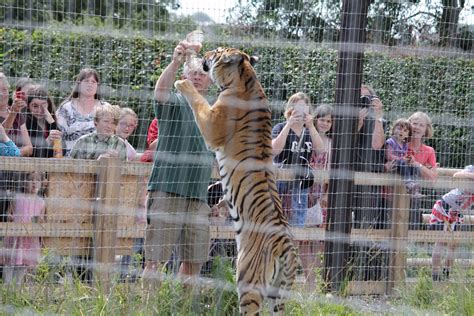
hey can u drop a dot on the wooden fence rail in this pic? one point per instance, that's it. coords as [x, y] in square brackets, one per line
[92, 205]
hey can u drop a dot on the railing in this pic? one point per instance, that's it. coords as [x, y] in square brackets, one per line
[91, 210]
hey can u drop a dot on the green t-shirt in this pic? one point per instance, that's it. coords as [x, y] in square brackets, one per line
[182, 162]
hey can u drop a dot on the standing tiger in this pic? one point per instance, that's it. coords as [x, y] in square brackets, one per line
[238, 128]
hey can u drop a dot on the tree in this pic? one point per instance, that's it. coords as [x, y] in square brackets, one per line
[449, 21]
[288, 19]
[384, 20]
[142, 15]
[429, 22]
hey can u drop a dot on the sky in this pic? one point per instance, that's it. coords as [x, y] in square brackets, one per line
[216, 9]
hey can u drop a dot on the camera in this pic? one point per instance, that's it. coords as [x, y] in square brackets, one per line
[366, 100]
[301, 109]
[20, 95]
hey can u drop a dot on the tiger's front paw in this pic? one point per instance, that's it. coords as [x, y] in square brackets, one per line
[184, 86]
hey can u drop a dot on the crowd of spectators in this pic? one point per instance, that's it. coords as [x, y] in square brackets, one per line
[83, 127]
[86, 127]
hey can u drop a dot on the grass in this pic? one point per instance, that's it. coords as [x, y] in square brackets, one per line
[216, 296]
[128, 299]
[451, 298]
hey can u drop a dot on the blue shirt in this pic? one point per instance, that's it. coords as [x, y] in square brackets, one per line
[9, 149]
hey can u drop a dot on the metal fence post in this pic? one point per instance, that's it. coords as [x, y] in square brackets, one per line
[348, 83]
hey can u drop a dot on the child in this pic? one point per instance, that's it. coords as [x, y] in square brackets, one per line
[23, 253]
[323, 121]
[311, 250]
[128, 121]
[127, 124]
[445, 215]
[103, 142]
[396, 150]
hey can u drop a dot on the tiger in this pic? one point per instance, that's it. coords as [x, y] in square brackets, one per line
[238, 128]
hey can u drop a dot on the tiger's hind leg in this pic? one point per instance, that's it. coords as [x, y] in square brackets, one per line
[209, 120]
[275, 300]
[276, 295]
[250, 300]
[249, 287]
[280, 290]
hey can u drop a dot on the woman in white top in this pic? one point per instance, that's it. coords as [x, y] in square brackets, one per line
[75, 116]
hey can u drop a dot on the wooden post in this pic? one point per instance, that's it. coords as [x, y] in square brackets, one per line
[348, 83]
[399, 238]
[105, 220]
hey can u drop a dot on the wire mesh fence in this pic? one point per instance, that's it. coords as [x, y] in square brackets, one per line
[372, 141]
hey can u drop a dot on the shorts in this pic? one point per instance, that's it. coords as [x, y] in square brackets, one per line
[442, 218]
[295, 201]
[176, 221]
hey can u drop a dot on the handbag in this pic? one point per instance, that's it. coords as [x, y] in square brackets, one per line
[304, 176]
[302, 169]
[314, 215]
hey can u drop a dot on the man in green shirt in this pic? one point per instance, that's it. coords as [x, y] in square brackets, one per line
[177, 209]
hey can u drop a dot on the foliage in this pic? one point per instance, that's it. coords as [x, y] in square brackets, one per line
[217, 296]
[449, 298]
[130, 65]
[289, 19]
[388, 22]
[48, 294]
[137, 15]
[225, 294]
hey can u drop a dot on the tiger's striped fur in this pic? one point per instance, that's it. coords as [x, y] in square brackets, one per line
[238, 128]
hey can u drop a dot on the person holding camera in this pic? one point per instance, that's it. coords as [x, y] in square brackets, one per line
[12, 119]
[368, 203]
[369, 157]
[293, 143]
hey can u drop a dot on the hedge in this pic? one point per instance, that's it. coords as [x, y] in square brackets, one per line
[130, 65]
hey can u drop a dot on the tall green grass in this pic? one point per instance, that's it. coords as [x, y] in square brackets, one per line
[450, 298]
[216, 295]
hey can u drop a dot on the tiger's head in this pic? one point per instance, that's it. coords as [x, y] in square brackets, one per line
[222, 63]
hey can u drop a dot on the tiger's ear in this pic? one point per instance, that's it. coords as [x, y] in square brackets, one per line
[254, 60]
[231, 58]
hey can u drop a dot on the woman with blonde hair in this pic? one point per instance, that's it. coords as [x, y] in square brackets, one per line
[423, 156]
[293, 142]
[420, 156]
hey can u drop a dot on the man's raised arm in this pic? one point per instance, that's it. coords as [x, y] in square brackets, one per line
[164, 84]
